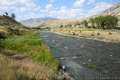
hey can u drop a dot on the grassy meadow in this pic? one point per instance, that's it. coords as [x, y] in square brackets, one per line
[38, 64]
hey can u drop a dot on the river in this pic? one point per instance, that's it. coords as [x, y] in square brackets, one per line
[86, 59]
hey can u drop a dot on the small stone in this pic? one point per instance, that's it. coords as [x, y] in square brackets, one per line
[100, 45]
[74, 57]
[84, 63]
[105, 71]
[66, 47]
[89, 60]
[62, 58]
[53, 41]
[82, 46]
[111, 55]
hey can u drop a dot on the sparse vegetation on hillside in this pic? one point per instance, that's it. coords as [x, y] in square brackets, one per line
[7, 21]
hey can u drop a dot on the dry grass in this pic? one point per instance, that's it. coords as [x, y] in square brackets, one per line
[91, 33]
[3, 33]
[3, 30]
[38, 64]
[11, 69]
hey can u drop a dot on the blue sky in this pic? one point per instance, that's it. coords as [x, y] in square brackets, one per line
[63, 9]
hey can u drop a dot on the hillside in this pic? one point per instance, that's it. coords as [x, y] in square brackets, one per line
[7, 21]
[34, 22]
[114, 10]
[59, 23]
[10, 26]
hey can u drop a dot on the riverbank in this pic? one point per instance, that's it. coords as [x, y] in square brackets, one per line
[26, 57]
[98, 34]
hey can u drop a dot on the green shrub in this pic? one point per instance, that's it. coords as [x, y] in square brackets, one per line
[98, 33]
[109, 33]
[85, 23]
[92, 35]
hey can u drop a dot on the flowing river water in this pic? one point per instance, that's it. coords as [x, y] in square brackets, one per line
[86, 59]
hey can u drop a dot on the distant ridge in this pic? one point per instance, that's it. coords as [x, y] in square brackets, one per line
[114, 10]
[34, 22]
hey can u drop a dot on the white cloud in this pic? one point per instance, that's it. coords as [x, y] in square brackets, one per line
[28, 8]
[79, 3]
[19, 7]
[49, 6]
[63, 12]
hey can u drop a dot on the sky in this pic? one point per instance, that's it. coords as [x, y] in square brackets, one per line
[62, 9]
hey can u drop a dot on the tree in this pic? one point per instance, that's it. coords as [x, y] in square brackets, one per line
[85, 23]
[100, 22]
[13, 16]
[5, 14]
[105, 22]
[111, 22]
[92, 21]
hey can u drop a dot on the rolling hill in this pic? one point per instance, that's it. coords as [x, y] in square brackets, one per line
[6, 21]
[34, 22]
[9, 25]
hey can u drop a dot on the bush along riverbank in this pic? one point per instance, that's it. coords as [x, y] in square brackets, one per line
[26, 57]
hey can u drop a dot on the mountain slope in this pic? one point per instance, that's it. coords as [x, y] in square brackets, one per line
[10, 26]
[114, 10]
[34, 22]
[6, 21]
